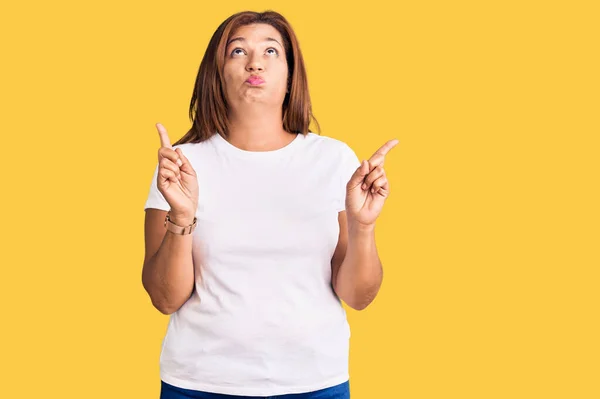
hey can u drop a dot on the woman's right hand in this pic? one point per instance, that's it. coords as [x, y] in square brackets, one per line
[176, 180]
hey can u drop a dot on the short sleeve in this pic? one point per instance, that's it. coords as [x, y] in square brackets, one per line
[155, 198]
[349, 162]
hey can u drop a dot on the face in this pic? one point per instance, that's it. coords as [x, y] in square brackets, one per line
[255, 49]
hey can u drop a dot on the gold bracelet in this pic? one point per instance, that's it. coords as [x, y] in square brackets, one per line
[180, 230]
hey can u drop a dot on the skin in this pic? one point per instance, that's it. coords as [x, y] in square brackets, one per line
[256, 119]
[256, 116]
[357, 272]
[255, 111]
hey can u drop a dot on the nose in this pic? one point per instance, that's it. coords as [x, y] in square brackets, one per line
[254, 65]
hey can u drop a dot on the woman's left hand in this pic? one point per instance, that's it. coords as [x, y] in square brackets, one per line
[368, 188]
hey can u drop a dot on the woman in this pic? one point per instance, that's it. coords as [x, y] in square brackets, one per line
[256, 228]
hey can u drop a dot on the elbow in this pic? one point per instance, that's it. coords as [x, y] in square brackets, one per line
[164, 306]
[166, 311]
[356, 302]
[160, 303]
[361, 292]
[161, 306]
[360, 301]
[359, 305]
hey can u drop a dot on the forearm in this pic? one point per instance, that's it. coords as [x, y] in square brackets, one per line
[169, 275]
[361, 273]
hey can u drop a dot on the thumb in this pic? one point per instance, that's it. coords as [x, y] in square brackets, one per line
[185, 166]
[359, 174]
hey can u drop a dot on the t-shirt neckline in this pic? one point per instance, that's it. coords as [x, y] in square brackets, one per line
[236, 151]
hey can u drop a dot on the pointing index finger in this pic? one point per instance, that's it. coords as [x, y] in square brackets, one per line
[164, 137]
[384, 149]
[377, 158]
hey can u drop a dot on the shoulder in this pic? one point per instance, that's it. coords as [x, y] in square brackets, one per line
[196, 149]
[185, 147]
[328, 144]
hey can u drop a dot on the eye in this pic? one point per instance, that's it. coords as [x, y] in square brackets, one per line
[239, 48]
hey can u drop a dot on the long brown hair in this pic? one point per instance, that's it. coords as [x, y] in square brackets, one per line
[208, 107]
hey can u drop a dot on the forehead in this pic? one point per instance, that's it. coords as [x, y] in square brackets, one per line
[255, 33]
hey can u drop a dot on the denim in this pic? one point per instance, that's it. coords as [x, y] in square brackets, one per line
[341, 391]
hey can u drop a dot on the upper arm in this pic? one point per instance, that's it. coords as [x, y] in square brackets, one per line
[156, 208]
[340, 250]
[154, 231]
[348, 163]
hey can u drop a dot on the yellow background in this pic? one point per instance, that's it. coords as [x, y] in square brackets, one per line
[489, 239]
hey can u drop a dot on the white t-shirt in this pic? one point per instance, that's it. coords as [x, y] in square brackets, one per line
[263, 318]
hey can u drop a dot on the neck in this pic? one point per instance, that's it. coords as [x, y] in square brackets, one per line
[259, 129]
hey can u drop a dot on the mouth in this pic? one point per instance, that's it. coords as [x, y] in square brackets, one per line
[255, 80]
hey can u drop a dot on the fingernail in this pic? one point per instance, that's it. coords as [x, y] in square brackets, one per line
[179, 162]
[364, 186]
[373, 190]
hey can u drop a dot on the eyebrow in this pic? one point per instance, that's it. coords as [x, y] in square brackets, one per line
[241, 39]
